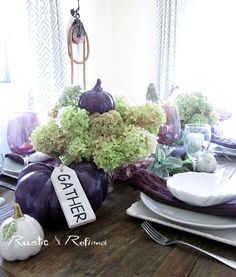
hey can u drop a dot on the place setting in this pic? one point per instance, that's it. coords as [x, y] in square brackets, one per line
[224, 146]
[201, 200]
[223, 141]
[19, 151]
[203, 223]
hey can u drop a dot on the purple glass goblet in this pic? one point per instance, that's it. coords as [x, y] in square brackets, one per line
[2, 200]
[170, 131]
[19, 129]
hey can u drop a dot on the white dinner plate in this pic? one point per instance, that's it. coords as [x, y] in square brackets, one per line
[12, 167]
[139, 210]
[188, 218]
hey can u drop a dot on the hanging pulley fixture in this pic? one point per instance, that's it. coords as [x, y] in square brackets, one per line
[77, 36]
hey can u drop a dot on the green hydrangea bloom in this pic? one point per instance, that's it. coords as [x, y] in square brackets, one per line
[122, 105]
[213, 118]
[49, 138]
[114, 151]
[80, 147]
[74, 122]
[186, 104]
[149, 116]
[198, 118]
[195, 108]
[106, 124]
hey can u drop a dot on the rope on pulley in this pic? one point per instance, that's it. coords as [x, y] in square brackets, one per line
[78, 35]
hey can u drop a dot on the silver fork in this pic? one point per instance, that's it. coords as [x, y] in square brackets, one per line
[225, 171]
[159, 238]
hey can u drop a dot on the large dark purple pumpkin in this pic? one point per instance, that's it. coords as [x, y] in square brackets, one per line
[36, 195]
[96, 100]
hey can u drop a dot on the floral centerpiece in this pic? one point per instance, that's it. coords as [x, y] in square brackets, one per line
[112, 138]
[93, 134]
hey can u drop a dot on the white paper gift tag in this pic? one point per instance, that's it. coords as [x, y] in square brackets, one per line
[71, 195]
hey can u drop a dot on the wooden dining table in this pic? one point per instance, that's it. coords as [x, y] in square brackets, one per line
[114, 245]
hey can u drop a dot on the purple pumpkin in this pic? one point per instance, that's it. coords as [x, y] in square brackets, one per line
[37, 197]
[96, 100]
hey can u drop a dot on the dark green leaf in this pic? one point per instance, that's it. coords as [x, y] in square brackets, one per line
[156, 166]
[169, 150]
[160, 155]
[172, 162]
[165, 173]
[187, 161]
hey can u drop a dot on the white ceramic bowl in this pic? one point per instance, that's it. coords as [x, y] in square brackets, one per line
[202, 189]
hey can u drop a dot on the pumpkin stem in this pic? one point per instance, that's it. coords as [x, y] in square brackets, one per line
[17, 211]
[57, 159]
[98, 85]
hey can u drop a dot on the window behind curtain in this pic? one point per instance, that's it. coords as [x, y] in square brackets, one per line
[15, 71]
[4, 36]
[4, 69]
[206, 50]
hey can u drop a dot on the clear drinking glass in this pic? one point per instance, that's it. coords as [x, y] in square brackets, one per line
[2, 200]
[197, 139]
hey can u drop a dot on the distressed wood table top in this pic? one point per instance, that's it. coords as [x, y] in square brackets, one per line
[114, 245]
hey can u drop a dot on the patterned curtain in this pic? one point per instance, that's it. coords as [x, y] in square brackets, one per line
[4, 69]
[49, 52]
[168, 14]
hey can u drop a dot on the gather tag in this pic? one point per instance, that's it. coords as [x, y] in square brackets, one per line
[71, 195]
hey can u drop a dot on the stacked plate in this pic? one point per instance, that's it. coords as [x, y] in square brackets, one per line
[14, 163]
[214, 229]
[220, 228]
[219, 149]
[11, 168]
[224, 146]
[188, 218]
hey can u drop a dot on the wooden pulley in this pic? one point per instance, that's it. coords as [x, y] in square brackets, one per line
[77, 35]
[78, 32]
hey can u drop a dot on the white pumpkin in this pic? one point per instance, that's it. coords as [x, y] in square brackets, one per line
[207, 163]
[21, 236]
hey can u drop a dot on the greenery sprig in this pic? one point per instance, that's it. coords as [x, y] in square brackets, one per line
[165, 165]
